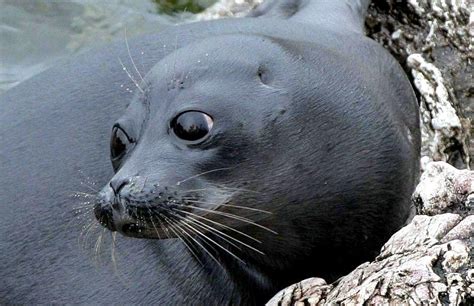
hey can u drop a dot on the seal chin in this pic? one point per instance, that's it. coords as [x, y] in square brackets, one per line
[139, 230]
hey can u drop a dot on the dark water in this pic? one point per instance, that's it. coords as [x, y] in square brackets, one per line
[34, 34]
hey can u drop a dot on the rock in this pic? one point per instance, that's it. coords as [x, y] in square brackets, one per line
[433, 41]
[441, 187]
[228, 8]
[312, 291]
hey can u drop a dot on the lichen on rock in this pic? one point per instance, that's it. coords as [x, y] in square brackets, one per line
[433, 41]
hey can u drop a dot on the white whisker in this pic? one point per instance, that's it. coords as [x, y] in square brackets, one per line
[231, 205]
[214, 242]
[197, 175]
[220, 224]
[170, 223]
[201, 224]
[130, 55]
[217, 232]
[231, 216]
[130, 76]
[90, 187]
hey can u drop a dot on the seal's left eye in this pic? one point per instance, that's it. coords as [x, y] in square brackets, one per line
[192, 125]
[118, 143]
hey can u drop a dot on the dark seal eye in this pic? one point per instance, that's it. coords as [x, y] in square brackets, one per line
[192, 125]
[119, 144]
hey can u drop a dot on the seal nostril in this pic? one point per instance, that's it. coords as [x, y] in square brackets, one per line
[103, 214]
[131, 229]
[116, 205]
[118, 184]
[97, 211]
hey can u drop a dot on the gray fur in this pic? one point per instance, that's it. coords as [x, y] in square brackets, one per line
[345, 16]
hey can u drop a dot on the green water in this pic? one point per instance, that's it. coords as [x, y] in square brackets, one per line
[176, 6]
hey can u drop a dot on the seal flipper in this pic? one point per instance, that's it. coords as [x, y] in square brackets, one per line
[342, 15]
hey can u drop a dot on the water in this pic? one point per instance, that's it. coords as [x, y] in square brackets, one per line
[35, 34]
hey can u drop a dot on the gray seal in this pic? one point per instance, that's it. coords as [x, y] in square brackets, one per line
[252, 153]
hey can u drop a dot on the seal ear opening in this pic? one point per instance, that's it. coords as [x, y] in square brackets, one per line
[263, 75]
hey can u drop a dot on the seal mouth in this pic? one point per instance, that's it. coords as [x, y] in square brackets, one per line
[148, 230]
[154, 222]
[172, 216]
[149, 221]
[132, 230]
[104, 214]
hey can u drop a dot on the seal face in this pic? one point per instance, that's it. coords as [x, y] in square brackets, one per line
[186, 153]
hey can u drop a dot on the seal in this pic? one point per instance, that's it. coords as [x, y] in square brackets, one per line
[254, 153]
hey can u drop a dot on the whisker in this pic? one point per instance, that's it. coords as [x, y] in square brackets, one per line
[230, 205]
[152, 222]
[134, 211]
[166, 65]
[190, 248]
[217, 232]
[200, 189]
[201, 224]
[130, 76]
[83, 205]
[86, 230]
[203, 173]
[80, 238]
[130, 55]
[164, 228]
[236, 188]
[79, 212]
[88, 179]
[184, 242]
[203, 247]
[231, 216]
[90, 233]
[90, 187]
[86, 218]
[219, 224]
[87, 203]
[214, 242]
[84, 194]
[175, 58]
[98, 246]
[112, 253]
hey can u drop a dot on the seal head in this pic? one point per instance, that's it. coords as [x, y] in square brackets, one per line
[266, 159]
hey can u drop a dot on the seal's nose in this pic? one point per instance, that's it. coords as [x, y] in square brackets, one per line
[118, 183]
[104, 215]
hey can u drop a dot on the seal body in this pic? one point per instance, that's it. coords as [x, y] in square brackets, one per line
[253, 153]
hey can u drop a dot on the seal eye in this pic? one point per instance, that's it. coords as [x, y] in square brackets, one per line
[192, 125]
[118, 144]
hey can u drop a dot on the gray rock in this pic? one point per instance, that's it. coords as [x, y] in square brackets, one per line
[443, 186]
[433, 41]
